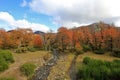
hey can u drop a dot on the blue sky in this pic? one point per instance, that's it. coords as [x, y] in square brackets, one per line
[51, 14]
[19, 12]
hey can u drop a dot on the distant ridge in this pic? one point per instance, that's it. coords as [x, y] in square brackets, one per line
[92, 27]
[10, 31]
[39, 32]
[95, 26]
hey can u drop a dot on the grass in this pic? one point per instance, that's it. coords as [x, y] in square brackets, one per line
[104, 57]
[58, 72]
[20, 59]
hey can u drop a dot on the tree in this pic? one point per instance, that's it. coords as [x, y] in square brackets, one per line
[37, 41]
[26, 37]
[21, 37]
[49, 40]
[111, 36]
[63, 39]
[4, 39]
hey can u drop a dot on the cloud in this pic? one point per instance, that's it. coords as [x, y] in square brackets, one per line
[74, 12]
[8, 18]
[24, 3]
[117, 23]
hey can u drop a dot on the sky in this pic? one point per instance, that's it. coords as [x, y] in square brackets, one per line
[46, 15]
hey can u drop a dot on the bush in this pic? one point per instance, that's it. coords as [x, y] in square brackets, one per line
[78, 52]
[5, 58]
[31, 49]
[7, 55]
[100, 51]
[86, 60]
[28, 69]
[116, 52]
[4, 78]
[86, 48]
[3, 64]
[18, 50]
[115, 74]
[21, 50]
[47, 57]
[116, 61]
[99, 70]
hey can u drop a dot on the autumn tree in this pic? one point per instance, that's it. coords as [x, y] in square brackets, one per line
[37, 41]
[4, 39]
[112, 35]
[25, 37]
[15, 38]
[75, 38]
[96, 36]
[82, 36]
[62, 38]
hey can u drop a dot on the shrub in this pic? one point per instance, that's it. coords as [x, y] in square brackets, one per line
[100, 51]
[86, 60]
[18, 50]
[115, 73]
[116, 52]
[116, 61]
[3, 64]
[7, 55]
[5, 58]
[78, 51]
[99, 70]
[107, 63]
[47, 57]
[105, 72]
[28, 69]
[86, 48]
[31, 49]
[21, 50]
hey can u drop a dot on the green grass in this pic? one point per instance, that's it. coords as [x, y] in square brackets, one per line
[99, 69]
[6, 78]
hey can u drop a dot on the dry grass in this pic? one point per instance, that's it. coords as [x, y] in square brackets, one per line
[60, 70]
[32, 57]
[105, 56]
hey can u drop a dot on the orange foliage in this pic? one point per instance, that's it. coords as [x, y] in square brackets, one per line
[37, 41]
[97, 35]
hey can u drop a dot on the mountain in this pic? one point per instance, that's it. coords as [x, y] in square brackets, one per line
[39, 32]
[98, 26]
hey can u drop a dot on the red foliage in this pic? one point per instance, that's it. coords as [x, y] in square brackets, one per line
[37, 41]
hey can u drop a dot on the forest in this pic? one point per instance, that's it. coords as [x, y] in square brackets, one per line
[98, 38]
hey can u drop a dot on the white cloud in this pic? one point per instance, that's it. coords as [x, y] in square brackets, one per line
[77, 11]
[6, 17]
[24, 3]
[117, 23]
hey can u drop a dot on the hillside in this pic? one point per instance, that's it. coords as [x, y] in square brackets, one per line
[97, 26]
